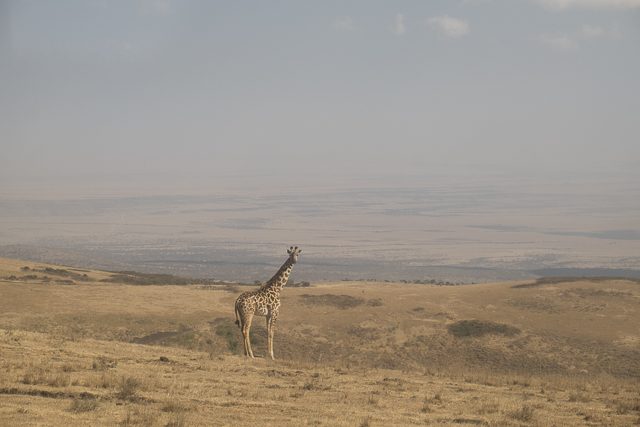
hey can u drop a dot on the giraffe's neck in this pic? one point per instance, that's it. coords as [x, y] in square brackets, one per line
[281, 277]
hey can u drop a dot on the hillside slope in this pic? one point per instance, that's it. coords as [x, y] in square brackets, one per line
[77, 346]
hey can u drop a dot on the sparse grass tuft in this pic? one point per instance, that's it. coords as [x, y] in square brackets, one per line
[34, 375]
[103, 363]
[578, 397]
[625, 406]
[38, 375]
[174, 407]
[366, 422]
[373, 401]
[178, 420]
[139, 417]
[524, 414]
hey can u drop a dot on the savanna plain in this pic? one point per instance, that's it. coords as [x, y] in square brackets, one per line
[88, 347]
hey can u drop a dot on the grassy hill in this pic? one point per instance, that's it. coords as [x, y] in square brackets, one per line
[82, 347]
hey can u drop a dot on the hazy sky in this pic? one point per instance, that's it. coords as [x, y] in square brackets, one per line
[90, 90]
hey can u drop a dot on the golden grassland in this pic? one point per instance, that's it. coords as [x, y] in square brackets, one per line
[78, 350]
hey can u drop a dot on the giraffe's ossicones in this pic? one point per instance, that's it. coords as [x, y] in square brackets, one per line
[264, 301]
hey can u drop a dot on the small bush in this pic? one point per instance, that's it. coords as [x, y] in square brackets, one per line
[107, 380]
[128, 389]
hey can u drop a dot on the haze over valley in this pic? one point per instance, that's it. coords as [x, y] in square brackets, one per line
[447, 228]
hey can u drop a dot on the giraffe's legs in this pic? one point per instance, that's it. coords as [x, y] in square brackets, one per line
[271, 322]
[246, 327]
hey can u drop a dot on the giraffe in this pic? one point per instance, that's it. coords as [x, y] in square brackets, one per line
[264, 301]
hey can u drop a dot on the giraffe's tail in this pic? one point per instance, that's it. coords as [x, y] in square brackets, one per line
[237, 318]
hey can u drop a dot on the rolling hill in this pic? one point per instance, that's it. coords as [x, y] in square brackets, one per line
[80, 346]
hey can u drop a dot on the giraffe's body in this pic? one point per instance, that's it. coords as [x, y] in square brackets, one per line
[264, 301]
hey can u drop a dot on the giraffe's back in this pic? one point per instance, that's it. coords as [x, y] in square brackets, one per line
[252, 302]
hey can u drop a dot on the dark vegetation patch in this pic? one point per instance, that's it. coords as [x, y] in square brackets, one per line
[443, 351]
[339, 301]
[28, 277]
[229, 332]
[47, 393]
[469, 421]
[299, 284]
[135, 278]
[160, 337]
[63, 273]
[184, 337]
[225, 287]
[364, 333]
[559, 280]
[596, 293]
[478, 328]
[375, 302]
[142, 279]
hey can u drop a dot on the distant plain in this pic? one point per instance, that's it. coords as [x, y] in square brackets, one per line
[460, 230]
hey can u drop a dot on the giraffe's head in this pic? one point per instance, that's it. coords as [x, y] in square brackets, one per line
[293, 252]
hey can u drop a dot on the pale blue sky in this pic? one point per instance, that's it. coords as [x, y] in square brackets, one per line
[90, 90]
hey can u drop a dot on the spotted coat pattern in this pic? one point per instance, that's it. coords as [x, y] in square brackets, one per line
[264, 301]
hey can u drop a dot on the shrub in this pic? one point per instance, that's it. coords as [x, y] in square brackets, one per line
[128, 389]
[83, 405]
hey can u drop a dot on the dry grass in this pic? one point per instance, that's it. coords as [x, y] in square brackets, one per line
[114, 354]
